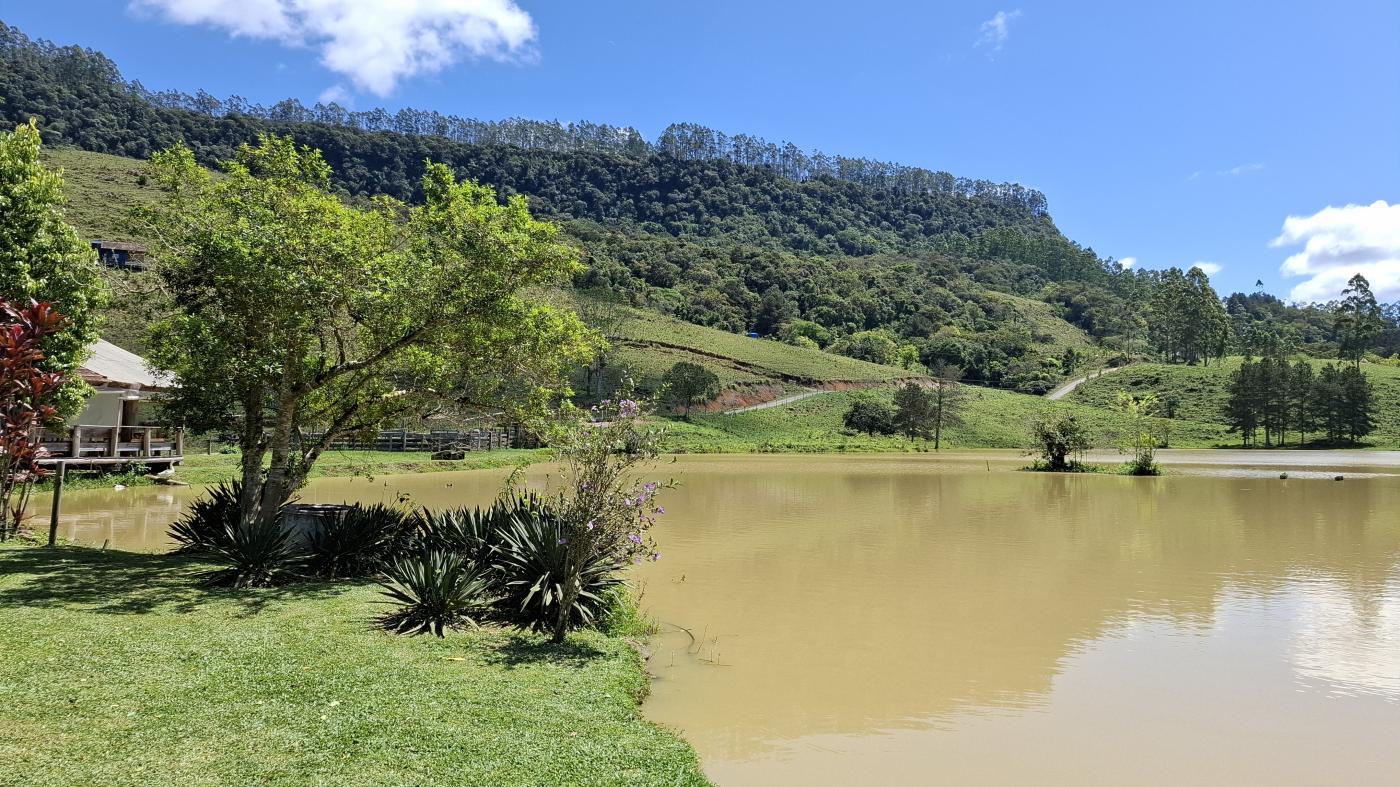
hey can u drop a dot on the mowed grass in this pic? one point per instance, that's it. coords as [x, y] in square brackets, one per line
[210, 469]
[991, 419]
[1202, 391]
[120, 669]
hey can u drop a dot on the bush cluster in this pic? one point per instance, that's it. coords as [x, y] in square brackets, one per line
[441, 569]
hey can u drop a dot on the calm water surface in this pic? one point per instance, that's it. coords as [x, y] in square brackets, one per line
[908, 620]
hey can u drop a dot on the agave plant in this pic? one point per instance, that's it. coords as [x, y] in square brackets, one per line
[531, 565]
[435, 591]
[205, 527]
[257, 554]
[359, 543]
[474, 533]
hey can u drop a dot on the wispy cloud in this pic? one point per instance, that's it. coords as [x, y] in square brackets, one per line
[374, 43]
[1339, 243]
[1232, 172]
[996, 30]
[1208, 268]
[335, 94]
[1242, 169]
[1128, 262]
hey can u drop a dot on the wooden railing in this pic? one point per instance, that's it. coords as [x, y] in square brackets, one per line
[109, 444]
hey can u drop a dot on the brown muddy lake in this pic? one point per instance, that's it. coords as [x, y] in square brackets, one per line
[914, 619]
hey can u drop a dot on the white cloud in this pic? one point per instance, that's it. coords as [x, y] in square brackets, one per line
[374, 43]
[1241, 169]
[996, 30]
[1208, 268]
[1128, 262]
[1235, 171]
[335, 94]
[1339, 243]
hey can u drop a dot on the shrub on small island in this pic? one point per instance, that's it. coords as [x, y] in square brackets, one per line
[1061, 441]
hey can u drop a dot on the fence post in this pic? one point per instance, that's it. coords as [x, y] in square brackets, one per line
[114, 442]
[75, 443]
[57, 502]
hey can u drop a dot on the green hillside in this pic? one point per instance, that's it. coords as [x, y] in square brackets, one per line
[652, 343]
[1201, 392]
[101, 190]
[993, 419]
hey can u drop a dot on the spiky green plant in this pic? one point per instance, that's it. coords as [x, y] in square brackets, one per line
[257, 555]
[474, 533]
[205, 526]
[360, 542]
[434, 591]
[532, 565]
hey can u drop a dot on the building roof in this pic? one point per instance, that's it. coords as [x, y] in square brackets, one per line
[119, 245]
[111, 365]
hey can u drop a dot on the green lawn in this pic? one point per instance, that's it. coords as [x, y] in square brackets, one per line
[992, 419]
[119, 669]
[199, 468]
[211, 469]
[1202, 391]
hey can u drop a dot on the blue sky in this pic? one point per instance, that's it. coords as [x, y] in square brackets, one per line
[1167, 133]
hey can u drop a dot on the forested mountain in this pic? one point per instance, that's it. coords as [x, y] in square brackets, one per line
[880, 261]
[691, 182]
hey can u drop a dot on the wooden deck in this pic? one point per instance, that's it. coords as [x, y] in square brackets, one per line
[108, 445]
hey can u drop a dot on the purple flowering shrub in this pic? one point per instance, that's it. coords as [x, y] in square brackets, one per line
[606, 506]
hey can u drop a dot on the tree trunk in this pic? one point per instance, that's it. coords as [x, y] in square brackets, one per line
[280, 474]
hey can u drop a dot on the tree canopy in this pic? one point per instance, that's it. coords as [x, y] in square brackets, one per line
[42, 259]
[300, 319]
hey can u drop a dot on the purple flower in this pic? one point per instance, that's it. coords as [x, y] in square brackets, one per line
[655, 556]
[627, 408]
[650, 487]
[591, 524]
[634, 538]
[563, 541]
[660, 510]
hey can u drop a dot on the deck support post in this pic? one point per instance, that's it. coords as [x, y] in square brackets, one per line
[57, 502]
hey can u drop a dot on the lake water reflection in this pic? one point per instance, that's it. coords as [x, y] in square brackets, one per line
[909, 620]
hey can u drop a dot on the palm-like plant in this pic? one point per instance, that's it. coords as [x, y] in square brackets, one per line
[435, 591]
[475, 533]
[258, 555]
[205, 527]
[360, 542]
[532, 564]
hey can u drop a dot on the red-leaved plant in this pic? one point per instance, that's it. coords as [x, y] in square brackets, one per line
[25, 392]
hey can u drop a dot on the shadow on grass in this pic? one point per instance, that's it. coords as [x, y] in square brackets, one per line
[528, 651]
[126, 583]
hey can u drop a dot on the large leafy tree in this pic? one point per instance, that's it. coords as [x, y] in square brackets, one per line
[688, 384]
[1358, 320]
[299, 319]
[42, 259]
[1186, 318]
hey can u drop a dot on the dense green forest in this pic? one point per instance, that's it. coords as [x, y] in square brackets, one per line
[883, 262]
